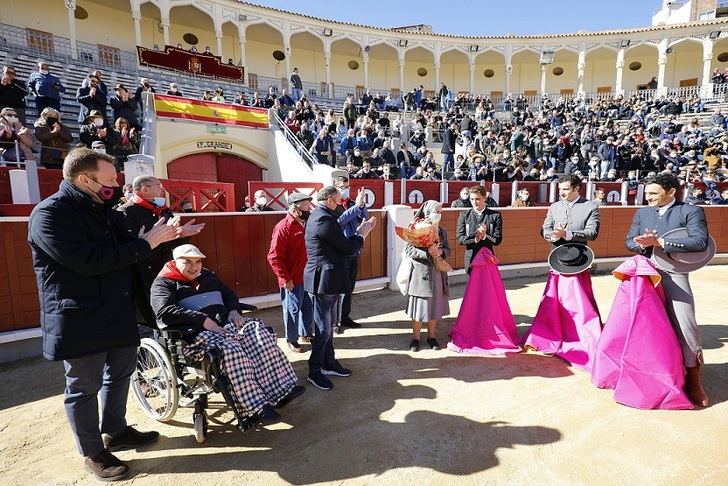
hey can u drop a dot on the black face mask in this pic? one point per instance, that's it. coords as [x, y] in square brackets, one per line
[304, 214]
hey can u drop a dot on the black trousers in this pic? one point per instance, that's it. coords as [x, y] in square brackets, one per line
[346, 304]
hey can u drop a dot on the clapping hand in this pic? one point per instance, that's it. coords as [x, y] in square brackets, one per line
[360, 198]
[649, 238]
[481, 233]
[366, 226]
[191, 229]
[160, 233]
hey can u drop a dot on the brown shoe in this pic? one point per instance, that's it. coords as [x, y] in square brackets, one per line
[694, 387]
[106, 467]
[129, 439]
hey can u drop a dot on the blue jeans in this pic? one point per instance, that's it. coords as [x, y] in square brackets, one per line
[296, 94]
[107, 373]
[297, 313]
[448, 160]
[326, 310]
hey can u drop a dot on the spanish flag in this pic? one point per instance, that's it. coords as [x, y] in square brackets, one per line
[210, 111]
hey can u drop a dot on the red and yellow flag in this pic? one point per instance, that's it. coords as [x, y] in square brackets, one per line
[210, 111]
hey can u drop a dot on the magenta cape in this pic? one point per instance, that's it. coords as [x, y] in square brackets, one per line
[485, 325]
[638, 354]
[567, 323]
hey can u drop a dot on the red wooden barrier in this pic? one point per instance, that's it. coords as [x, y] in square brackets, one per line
[204, 196]
[277, 192]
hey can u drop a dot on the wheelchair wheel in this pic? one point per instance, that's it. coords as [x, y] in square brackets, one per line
[200, 424]
[155, 381]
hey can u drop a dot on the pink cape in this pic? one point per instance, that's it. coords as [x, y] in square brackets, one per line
[638, 354]
[485, 325]
[567, 323]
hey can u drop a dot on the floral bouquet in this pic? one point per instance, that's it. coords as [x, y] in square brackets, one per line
[423, 233]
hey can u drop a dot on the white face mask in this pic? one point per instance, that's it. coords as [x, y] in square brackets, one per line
[159, 201]
[261, 201]
[44, 71]
[100, 151]
[435, 217]
[98, 122]
[11, 119]
[525, 197]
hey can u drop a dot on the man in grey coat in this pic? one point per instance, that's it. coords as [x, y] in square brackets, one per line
[665, 213]
[573, 218]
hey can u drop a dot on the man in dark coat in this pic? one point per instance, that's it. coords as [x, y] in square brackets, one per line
[143, 210]
[91, 98]
[326, 279]
[479, 226]
[82, 259]
[13, 93]
[448, 147]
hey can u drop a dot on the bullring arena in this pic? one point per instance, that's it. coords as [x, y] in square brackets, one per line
[525, 110]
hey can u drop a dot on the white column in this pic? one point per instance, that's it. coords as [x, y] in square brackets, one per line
[543, 78]
[401, 75]
[437, 76]
[471, 67]
[137, 16]
[619, 66]
[707, 62]
[218, 38]
[165, 28]
[661, 65]
[287, 50]
[508, 68]
[327, 64]
[241, 41]
[580, 68]
[71, 10]
[365, 61]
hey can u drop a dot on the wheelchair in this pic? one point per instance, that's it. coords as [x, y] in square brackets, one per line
[164, 380]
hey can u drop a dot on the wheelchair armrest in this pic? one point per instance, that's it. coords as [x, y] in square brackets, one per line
[247, 307]
[179, 330]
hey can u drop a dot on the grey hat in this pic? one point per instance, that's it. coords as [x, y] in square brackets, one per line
[297, 197]
[686, 261]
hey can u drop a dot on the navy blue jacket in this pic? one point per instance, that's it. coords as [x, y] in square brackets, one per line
[327, 269]
[679, 215]
[82, 260]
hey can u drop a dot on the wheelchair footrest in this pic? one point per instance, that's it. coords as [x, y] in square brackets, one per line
[248, 423]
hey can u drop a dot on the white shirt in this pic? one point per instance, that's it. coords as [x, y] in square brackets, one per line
[663, 209]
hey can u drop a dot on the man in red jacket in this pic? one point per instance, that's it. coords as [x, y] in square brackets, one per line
[287, 258]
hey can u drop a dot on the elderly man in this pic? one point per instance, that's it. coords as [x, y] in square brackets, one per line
[326, 279]
[287, 258]
[13, 93]
[144, 209]
[82, 257]
[46, 88]
[90, 97]
[260, 203]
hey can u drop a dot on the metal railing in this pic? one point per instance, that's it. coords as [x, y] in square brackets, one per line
[306, 156]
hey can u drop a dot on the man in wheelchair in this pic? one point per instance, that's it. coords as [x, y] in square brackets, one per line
[260, 377]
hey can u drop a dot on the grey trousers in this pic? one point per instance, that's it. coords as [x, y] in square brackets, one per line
[681, 310]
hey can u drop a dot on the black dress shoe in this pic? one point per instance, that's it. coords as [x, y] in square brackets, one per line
[106, 467]
[268, 415]
[338, 330]
[129, 439]
[349, 323]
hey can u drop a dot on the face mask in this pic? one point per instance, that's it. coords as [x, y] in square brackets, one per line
[525, 196]
[304, 214]
[44, 71]
[261, 201]
[344, 193]
[98, 122]
[100, 151]
[109, 195]
[435, 217]
[128, 195]
[159, 201]
[11, 119]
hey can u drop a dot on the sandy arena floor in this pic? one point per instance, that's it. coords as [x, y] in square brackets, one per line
[422, 418]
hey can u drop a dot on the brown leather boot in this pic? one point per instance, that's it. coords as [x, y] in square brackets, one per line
[106, 467]
[693, 385]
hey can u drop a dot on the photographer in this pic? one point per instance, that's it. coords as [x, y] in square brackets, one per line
[145, 86]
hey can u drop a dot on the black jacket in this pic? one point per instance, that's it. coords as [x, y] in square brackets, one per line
[82, 260]
[448, 141]
[89, 103]
[166, 294]
[327, 269]
[13, 95]
[145, 271]
[468, 224]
